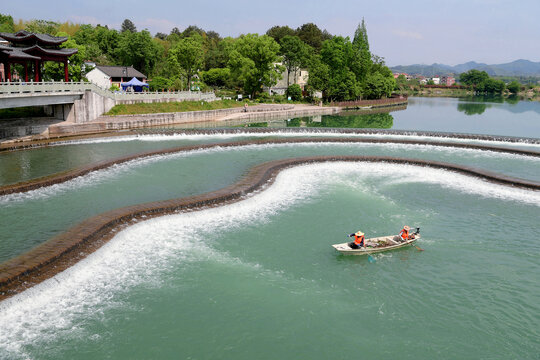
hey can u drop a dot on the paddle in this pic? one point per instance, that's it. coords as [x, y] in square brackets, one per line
[417, 247]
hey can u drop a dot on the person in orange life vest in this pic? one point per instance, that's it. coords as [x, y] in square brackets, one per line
[404, 234]
[358, 240]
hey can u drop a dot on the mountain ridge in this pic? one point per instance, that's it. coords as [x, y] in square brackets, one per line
[520, 67]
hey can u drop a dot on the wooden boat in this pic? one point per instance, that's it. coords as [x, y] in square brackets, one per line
[376, 245]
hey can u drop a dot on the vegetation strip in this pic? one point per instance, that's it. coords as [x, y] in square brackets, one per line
[69, 175]
[64, 250]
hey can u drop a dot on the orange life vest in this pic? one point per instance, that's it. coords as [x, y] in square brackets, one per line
[404, 234]
[359, 240]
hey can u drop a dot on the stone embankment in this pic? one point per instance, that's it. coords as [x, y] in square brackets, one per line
[124, 122]
[69, 247]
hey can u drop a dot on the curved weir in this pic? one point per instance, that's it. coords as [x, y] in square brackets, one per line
[68, 175]
[64, 250]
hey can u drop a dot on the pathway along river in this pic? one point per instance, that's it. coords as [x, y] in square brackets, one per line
[258, 278]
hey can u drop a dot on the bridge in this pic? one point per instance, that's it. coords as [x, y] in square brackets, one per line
[77, 102]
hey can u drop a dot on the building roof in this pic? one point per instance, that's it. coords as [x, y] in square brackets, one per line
[15, 54]
[36, 49]
[26, 37]
[120, 71]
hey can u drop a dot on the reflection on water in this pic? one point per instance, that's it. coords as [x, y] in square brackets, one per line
[472, 108]
[344, 120]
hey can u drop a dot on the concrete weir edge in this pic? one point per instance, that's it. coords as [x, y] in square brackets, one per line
[64, 250]
[69, 175]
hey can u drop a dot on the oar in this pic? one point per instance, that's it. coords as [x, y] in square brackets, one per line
[417, 247]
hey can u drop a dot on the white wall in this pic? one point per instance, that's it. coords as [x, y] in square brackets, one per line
[99, 78]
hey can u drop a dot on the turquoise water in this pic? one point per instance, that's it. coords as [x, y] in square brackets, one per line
[184, 174]
[258, 279]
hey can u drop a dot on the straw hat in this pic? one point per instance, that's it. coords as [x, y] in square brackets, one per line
[406, 228]
[359, 233]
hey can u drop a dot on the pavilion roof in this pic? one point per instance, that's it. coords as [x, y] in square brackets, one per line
[38, 50]
[16, 54]
[23, 37]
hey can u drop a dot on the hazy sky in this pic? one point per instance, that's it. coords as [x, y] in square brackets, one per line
[403, 32]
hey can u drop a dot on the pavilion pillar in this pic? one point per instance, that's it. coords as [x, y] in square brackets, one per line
[8, 71]
[66, 77]
[36, 71]
[25, 72]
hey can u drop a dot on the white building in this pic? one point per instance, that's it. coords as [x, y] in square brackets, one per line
[106, 76]
[436, 80]
[299, 77]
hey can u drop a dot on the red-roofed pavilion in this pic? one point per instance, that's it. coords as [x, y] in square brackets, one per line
[33, 49]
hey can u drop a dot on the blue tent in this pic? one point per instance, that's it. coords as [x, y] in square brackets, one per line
[135, 84]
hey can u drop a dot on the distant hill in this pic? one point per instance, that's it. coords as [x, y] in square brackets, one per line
[515, 68]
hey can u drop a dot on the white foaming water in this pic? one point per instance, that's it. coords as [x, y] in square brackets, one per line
[100, 176]
[409, 135]
[139, 254]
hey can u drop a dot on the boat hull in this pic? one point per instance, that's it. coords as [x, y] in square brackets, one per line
[389, 244]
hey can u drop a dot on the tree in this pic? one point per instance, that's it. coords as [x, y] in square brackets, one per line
[139, 50]
[473, 77]
[217, 77]
[6, 24]
[279, 32]
[55, 71]
[295, 54]
[514, 87]
[331, 72]
[294, 92]
[42, 27]
[252, 62]
[361, 45]
[312, 35]
[161, 36]
[187, 55]
[128, 25]
[192, 30]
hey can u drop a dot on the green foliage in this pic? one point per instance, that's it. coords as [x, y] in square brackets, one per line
[187, 56]
[481, 82]
[6, 23]
[139, 50]
[514, 87]
[472, 108]
[378, 85]
[295, 54]
[76, 71]
[332, 72]
[294, 91]
[114, 88]
[182, 106]
[279, 32]
[252, 62]
[473, 77]
[218, 77]
[312, 35]
[369, 121]
[159, 83]
[128, 25]
[42, 27]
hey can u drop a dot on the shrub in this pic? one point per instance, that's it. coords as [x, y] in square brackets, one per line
[294, 91]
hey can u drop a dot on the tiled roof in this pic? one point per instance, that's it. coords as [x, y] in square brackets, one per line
[24, 36]
[120, 71]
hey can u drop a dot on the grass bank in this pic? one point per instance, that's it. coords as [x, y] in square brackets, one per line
[168, 107]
